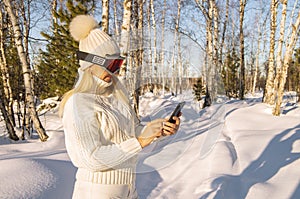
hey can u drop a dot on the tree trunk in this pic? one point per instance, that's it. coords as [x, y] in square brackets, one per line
[25, 25]
[242, 49]
[256, 60]
[8, 124]
[179, 62]
[287, 57]
[125, 33]
[154, 36]
[209, 54]
[279, 50]
[215, 47]
[8, 97]
[105, 15]
[208, 65]
[117, 32]
[175, 52]
[149, 68]
[224, 32]
[54, 18]
[26, 72]
[4, 106]
[162, 74]
[269, 88]
[138, 53]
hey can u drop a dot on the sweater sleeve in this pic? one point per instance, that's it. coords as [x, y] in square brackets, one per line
[87, 146]
[98, 157]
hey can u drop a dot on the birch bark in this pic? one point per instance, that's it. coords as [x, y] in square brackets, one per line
[125, 32]
[26, 72]
[287, 57]
[269, 88]
[279, 51]
[105, 15]
[242, 49]
[8, 97]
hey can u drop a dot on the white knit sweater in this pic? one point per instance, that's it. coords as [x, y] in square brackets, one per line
[100, 138]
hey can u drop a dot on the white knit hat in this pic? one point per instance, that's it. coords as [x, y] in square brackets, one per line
[84, 28]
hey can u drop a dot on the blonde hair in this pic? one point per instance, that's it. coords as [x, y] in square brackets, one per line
[86, 85]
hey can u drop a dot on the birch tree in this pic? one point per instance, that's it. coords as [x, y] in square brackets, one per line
[210, 95]
[25, 35]
[150, 65]
[176, 42]
[207, 11]
[242, 49]
[279, 50]
[162, 53]
[53, 11]
[26, 72]
[116, 18]
[152, 57]
[179, 62]
[6, 100]
[8, 124]
[154, 33]
[105, 15]
[138, 52]
[287, 57]
[8, 96]
[125, 32]
[216, 46]
[269, 88]
[222, 46]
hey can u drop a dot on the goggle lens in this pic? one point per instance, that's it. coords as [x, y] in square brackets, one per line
[115, 66]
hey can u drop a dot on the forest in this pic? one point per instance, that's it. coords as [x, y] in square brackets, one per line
[230, 48]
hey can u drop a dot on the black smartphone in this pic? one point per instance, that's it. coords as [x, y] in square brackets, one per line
[176, 112]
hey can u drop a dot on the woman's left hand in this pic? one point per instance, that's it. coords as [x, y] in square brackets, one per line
[171, 128]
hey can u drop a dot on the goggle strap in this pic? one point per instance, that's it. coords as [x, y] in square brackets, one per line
[95, 59]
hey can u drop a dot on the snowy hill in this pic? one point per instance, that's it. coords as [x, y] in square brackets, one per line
[231, 150]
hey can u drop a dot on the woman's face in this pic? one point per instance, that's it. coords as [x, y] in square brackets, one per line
[101, 73]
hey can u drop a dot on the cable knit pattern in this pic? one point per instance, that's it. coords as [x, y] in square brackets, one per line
[100, 139]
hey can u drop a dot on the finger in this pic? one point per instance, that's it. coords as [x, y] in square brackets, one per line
[171, 125]
[169, 130]
[177, 120]
[166, 132]
[176, 124]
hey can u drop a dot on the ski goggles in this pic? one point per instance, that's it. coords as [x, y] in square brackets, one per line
[112, 63]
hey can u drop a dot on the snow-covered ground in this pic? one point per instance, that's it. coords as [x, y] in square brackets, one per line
[231, 150]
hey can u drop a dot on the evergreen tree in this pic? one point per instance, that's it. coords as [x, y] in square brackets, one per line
[199, 89]
[58, 65]
[230, 74]
[15, 71]
[293, 83]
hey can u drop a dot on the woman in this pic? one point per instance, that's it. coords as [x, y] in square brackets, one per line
[103, 135]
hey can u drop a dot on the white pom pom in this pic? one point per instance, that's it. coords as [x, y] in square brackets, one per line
[81, 26]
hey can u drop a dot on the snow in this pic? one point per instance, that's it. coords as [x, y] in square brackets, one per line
[231, 150]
